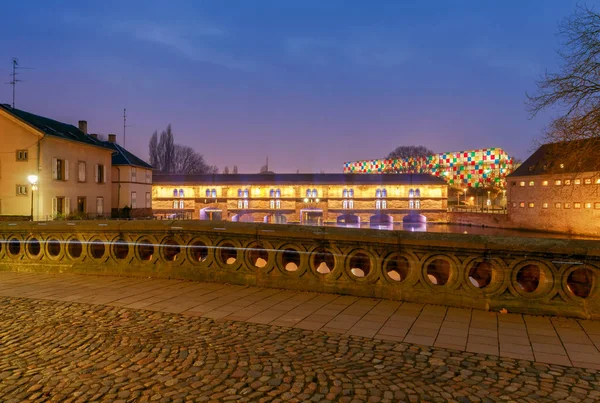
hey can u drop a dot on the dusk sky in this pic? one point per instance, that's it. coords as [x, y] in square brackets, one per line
[308, 83]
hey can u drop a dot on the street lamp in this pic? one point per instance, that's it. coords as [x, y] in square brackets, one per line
[465, 189]
[33, 180]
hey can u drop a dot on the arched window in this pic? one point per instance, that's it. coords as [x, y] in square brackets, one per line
[272, 203]
[307, 192]
[278, 193]
[180, 192]
[246, 193]
[240, 203]
[411, 193]
[417, 193]
[246, 203]
[175, 203]
[208, 192]
[239, 192]
[350, 203]
[378, 193]
[351, 193]
[271, 193]
[384, 204]
[417, 204]
[345, 204]
[378, 204]
[315, 193]
[384, 193]
[277, 204]
[213, 193]
[345, 193]
[181, 204]
[411, 204]
[174, 192]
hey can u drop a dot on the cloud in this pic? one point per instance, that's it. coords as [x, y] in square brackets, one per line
[198, 42]
[501, 59]
[366, 50]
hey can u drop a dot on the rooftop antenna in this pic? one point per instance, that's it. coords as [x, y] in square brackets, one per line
[124, 126]
[14, 80]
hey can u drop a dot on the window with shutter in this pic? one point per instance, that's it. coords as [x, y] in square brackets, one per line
[148, 200]
[100, 205]
[67, 205]
[133, 199]
[81, 171]
[54, 206]
[96, 170]
[103, 173]
[66, 170]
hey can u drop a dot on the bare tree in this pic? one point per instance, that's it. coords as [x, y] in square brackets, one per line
[574, 91]
[410, 151]
[226, 170]
[235, 169]
[168, 157]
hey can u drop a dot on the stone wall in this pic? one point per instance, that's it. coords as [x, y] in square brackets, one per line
[480, 219]
[525, 275]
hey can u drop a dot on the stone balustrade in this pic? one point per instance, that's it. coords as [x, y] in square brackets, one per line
[524, 275]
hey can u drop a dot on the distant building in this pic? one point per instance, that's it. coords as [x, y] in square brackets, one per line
[299, 198]
[74, 169]
[472, 168]
[551, 193]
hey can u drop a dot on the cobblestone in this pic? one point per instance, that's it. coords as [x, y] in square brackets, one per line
[51, 350]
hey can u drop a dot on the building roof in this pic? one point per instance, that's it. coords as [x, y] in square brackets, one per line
[298, 179]
[52, 127]
[563, 157]
[123, 157]
[65, 131]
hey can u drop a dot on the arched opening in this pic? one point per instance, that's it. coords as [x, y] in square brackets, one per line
[323, 261]
[14, 246]
[97, 249]
[33, 247]
[480, 274]
[360, 265]
[346, 219]
[171, 250]
[528, 278]
[75, 248]
[228, 253]
[381, 219]
[580, 282]
[438, 271]
[290, 259]
[397, 268]
[120, 249]
[53, 246]
[199, 251]
[145, 250]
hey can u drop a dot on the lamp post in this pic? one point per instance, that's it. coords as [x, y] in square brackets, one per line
[465, 196]
[489, 202]
[33, 179]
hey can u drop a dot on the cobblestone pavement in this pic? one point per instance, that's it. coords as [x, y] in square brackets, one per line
[74, 352]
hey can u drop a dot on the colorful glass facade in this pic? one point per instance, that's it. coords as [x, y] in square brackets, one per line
[472, 168]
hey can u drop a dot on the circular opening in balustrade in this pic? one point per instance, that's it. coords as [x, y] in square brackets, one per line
[438, 271]
[97, 249]
[580, 282]
[397, 268]
[290, 259]
[14, 246]
[198, 251]
[33, 247]
[360, 265]
[323, 261]
[171, 250]
[228, 253]
[145, 250]
[480, 274]
[53, 246]
[120, 249]
[258, 256]
[528, 278]
[74, 248]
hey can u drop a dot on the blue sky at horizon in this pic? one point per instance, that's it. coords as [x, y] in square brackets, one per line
[310, 84]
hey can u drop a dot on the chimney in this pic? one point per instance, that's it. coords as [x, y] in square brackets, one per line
[112, 138]
[83, 126]
[94, 135]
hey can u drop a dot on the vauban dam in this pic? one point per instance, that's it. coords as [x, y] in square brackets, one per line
[556, 277]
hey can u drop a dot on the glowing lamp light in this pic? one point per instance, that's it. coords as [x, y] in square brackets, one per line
[306, 200]
[32, 179]
[316, 200]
